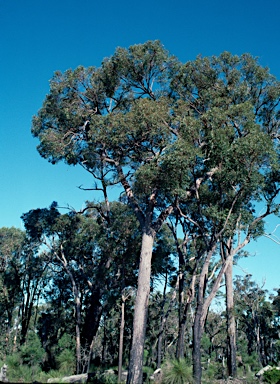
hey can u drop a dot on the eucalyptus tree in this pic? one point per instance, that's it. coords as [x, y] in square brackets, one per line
[115, 122]
[196, 138]
[258, 320]
[52, 231]
[91, 257]
[11, 245]
[23, 274]
[228, 106]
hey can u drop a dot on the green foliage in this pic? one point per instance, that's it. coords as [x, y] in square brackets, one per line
[177, 372]
[272, 376]
[66, 361]
[20, 371]
[26, 364]
[252, 362]
[14, 361]
[200, 137]
[32, 353]
[214, 371]
[24, 373]
[148, 371]
[66, 342]
[104, 377]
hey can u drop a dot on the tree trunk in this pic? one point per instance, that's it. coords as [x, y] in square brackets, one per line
[196, 354]
[201, 313]
[181, 307]
[121, 341]
[78, 333]
[203, 306]
[181, 339]
[141, 309]
[182, 325]
[76, 293]
[163, 320]
[231, 332]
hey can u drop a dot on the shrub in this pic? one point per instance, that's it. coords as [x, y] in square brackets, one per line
[176, 372]
[272, 376]
[31, 352]
[23, 373]
[66, 361]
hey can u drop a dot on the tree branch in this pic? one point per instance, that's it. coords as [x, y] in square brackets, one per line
[131, 199]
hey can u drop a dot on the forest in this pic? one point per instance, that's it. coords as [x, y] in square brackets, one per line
[182, 156]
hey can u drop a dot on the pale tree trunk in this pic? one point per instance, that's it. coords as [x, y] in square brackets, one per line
[125, 296]
[121, 341]
[149, 231]
[181, 313]
[231, 326]
[141, 309]
[78, 333]
[231, 329]
[204, 303]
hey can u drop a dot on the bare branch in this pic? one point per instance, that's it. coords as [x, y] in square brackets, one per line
[162, 217]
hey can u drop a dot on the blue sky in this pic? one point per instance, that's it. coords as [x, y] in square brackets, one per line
[38, 37]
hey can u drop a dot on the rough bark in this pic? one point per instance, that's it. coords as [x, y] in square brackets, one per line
[196, 354]
[181, 336]
[182, 326]
[231, 329]
[164, 317]
[141, 309]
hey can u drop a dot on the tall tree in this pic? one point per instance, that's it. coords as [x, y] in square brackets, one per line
[11, 246]
[23, 274]
[229, 106]
[91, 255]
[257, 319]
[197, 137]
[116, 121]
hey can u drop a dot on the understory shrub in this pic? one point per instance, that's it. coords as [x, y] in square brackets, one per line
[176, 372]
[272, 376]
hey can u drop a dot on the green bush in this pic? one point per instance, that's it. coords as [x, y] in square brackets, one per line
[252, 362]
[104, 378]
[176, 372]
[23, 373]
[25, 365]
[31, 352]
[214, 370]
[66, 361]
[272, 376]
